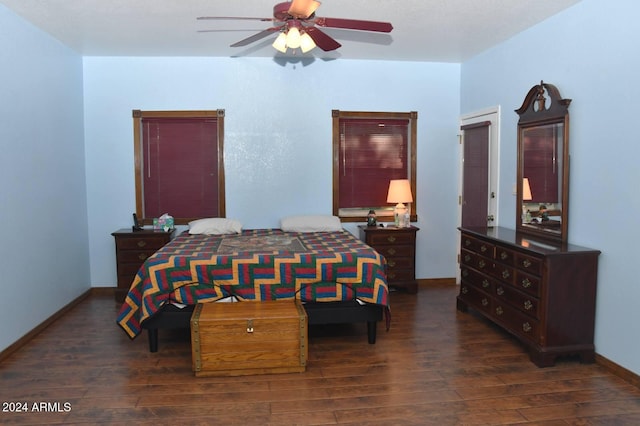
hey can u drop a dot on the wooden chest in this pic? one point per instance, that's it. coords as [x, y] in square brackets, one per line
[241, 338]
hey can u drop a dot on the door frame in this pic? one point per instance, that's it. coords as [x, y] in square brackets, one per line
[491, 114]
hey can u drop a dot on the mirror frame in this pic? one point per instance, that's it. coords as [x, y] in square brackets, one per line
[537, 111]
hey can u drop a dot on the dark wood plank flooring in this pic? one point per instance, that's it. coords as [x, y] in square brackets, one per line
[434, 366]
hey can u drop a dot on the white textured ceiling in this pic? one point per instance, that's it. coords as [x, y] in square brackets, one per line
[424, 30]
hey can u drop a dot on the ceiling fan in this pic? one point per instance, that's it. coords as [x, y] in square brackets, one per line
[297, 25]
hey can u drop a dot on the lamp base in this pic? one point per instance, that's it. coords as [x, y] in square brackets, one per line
[401, 216]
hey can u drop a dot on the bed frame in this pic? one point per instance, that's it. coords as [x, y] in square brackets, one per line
[172, 317]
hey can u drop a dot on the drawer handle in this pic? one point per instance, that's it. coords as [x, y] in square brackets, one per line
[142, 243]
[465, 273]
[250, 326]
[506, 274]
[526, 263]
[485, 302]
[526, 327]
[391, 263]
[467, 243]
[528, 305]
[391, 276]
[526, 283]
[483, 248]
[485, 283]
[391, 251]
[499, 310]
[500, 291]
[482, 263]
[142, 256]
[391, 238]
[467, 257]
[503, 255]
[464, 290]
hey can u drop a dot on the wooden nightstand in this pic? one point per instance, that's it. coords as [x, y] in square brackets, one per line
[132, 249]
[398, 246]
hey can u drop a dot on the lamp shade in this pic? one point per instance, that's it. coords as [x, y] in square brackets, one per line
[526, 190]
[281, 43]
[399, 191]
[306, 43]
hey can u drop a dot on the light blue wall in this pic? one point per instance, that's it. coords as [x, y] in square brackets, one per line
[278, 158]
[590, 53]
[44, 252]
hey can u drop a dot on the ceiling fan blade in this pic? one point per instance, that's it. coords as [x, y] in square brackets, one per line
[302, 9]
[232, 18]
[322, 40]
[256, 37]
[354, 24]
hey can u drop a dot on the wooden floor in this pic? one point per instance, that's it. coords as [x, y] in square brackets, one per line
[434, 366]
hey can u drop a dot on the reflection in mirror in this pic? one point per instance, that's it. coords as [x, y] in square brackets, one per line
[543, 174]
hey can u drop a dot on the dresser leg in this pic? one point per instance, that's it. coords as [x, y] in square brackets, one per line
[461, 306]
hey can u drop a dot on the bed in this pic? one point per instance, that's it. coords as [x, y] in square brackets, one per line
[336, 276]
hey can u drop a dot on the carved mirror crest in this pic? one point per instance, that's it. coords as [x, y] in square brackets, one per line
[543, 164]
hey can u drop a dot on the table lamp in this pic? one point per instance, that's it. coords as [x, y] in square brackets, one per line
[400, 193]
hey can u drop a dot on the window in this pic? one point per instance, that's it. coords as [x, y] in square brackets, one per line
[179, 166]
[369, 150]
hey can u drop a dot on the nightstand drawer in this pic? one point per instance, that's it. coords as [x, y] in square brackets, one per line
[391, 237]
[390, 252]
[141, 243]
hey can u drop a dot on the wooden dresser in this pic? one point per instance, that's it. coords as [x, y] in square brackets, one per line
[544, 293]
[398, 246]
[132, 249]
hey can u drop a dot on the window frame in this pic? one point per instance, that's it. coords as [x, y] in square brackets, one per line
[138, 117]
[384, 212]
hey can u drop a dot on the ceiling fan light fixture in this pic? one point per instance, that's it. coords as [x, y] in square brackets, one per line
[306, 43]
[293, 38]
[280, 44]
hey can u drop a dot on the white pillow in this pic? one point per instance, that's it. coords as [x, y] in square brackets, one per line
[215, 226]
[311, 223]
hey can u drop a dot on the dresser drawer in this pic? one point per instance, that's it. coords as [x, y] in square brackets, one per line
[502, 272]
[476, 261]
[520, 324]
[475, 278]
[505, 256]
[478, 299]
[478, 246]
[528, 283]
[522, 301]
[531, 264]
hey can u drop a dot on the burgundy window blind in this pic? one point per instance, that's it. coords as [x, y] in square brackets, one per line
[372, 152]
[180, 167]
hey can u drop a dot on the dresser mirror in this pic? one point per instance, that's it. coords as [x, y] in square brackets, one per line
[543, 164]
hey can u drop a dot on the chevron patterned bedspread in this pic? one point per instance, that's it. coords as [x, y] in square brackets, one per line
[259, 264]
